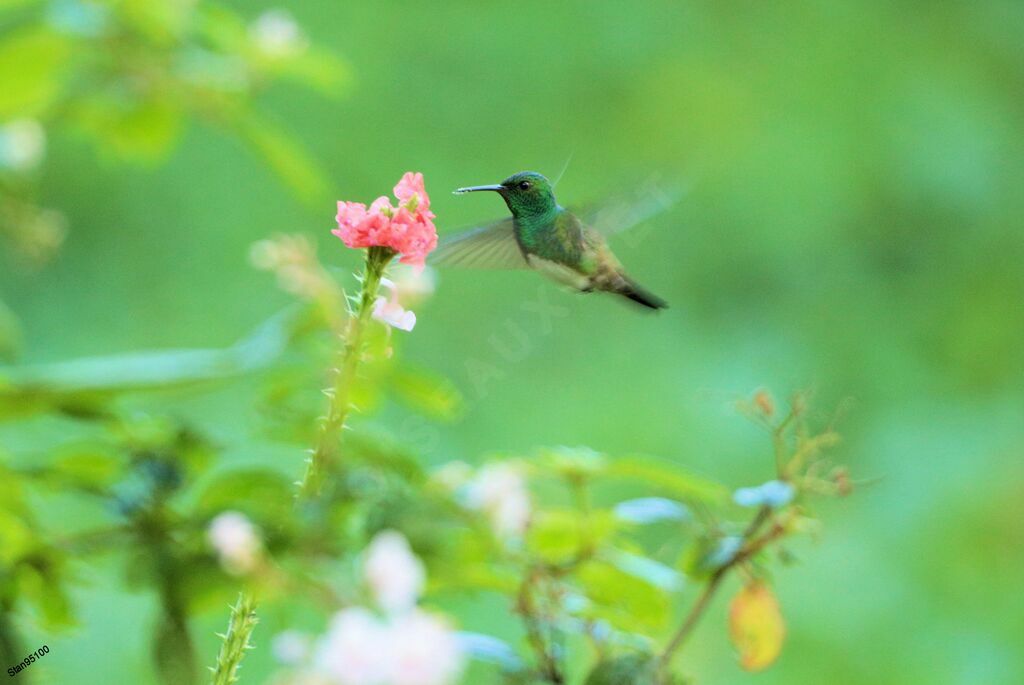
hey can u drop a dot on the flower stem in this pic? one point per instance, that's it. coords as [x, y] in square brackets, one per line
[11, 649]
[752, 545]
[546, 659]
[236, 640]
[324, 454]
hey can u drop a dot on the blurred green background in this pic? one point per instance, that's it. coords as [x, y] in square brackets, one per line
[852, 225]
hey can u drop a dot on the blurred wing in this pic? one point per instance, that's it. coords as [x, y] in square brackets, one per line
[492, 246]
[622, 214]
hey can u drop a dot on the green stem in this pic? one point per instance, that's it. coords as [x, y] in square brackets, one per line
[324, 455]
[11, 649]
[173, 649]
[752, 545]
[236, 640]
[546, 660]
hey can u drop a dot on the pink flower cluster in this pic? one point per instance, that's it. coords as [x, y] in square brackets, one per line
[407, 229]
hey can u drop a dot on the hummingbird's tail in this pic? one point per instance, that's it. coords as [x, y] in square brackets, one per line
[627, 287]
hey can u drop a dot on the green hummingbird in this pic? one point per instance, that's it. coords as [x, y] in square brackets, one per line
[544, 236]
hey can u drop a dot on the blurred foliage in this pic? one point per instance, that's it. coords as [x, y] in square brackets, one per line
[583, 565]
[851, 223]
[128, 76]
[570, 562]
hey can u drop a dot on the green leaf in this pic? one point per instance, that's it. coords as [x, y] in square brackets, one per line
[88, 467]
[14, 4]
[576, 464]
[622, 599]
[33, 65]
[263, 495]
[381, 451]
[41, 585]
[10, 333]
[133, 130]
[756, 626]
[16, 538]
[285, 156]
[630, 669]
[221, 27]
[646, 569]
[317, 69]
[558, 535]
[667, 477]
[470, 564]
[162, 23]
[426, 392]
[83, 384]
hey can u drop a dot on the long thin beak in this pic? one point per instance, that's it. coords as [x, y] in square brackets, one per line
[497, 187]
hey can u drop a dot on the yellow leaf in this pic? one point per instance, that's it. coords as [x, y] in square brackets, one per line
[756, 626]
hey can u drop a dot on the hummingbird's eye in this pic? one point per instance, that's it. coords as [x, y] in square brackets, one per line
[524, 185]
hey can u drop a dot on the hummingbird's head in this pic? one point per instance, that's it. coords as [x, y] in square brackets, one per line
[526, 193]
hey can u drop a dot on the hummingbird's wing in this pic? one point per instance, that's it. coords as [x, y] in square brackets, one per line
[492, 246]
[622, 214]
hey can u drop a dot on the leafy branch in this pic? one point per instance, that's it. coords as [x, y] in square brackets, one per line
[753, 544]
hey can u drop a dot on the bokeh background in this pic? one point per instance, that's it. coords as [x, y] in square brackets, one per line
[852, 225]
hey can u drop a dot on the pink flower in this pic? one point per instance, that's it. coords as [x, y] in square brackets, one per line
[412, 184]
[407, 229]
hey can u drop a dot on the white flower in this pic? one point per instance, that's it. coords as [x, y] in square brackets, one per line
[276, 33]
[388, 309]
[291, 647]
[424, 651]
[393, 314]
[416, 648]
[393, 572]
[236, 541]
[500, 490]
[22, 144]
[355, 649]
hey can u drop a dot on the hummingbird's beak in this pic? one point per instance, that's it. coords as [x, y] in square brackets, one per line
[497, 187]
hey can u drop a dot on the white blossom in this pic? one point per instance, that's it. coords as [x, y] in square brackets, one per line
[500, 490]
[291, 647]
[425, 651]
[395, 575]
[276, 33]
[355, 649]
[393, 314]
[414, 648]
[22, 144]
[236, 541]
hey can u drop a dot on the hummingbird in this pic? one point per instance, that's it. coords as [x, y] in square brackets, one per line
[544, 236]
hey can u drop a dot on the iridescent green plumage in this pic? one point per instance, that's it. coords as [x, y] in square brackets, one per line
[543, 235]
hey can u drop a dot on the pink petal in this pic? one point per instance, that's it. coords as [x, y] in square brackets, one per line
[412, 184]
[380, 204]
